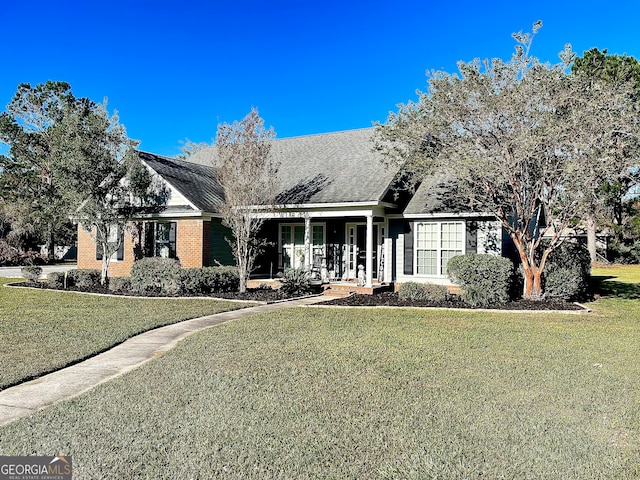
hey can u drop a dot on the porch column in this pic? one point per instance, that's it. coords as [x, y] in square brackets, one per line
[369, 257]
[307, 243]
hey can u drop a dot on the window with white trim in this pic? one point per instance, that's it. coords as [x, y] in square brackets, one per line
[115, 236]
[292, 244]
[435, 244]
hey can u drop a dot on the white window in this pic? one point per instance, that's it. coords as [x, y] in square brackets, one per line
[292, 244]
[165, 240]
[115, 239]
[435, 244]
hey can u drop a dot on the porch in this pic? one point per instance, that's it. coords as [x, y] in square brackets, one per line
[351, 250]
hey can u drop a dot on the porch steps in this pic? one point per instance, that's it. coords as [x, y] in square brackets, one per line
[334, 289]
[344, 289]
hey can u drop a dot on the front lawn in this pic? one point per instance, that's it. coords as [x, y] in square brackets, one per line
[618, 273]
[618, 281]
[361, 393]
[43, 330]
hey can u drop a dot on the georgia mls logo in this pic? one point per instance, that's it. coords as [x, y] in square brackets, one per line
[35, 468]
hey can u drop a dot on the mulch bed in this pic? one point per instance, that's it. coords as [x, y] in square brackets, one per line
[384, 299]
[391, 299]
[255, 295]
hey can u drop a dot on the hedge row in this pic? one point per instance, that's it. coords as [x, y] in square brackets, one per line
[82, 278]
[163, 276]
[156, 276]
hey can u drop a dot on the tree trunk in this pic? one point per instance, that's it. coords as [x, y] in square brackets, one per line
[591, 237]
[536, 291]
[242, 267]
[105, 266]
[532, 283]
[51, 247]
[532, 288]
[243, 280]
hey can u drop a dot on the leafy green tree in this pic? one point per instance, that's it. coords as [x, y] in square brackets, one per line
[612, 178]
[68, 157]
[516, 137]
[32, 188]
[110, 182]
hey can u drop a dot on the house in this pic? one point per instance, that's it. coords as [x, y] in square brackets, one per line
[339, 214]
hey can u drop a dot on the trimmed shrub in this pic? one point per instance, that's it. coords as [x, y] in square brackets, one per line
[425, 292]
[55, 279]
[156, 276]
[192, 281]
[223, 279]
[120, 284]
[207, 280]
[295, 281]
[483, 278]
[84, 278]
[567, 272]
[31, 273]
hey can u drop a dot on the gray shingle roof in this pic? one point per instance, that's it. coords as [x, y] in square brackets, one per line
[331, 168]
[437, 194]
[195, 182]
[334, 167]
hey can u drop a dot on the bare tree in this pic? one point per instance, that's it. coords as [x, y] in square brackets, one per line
[518, 137]
[248, 176]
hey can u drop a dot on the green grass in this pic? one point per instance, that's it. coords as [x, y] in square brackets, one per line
[43, 330]
[620, 273]
[361, 393]
[619, 281]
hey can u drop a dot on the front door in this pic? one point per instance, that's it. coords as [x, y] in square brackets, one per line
[292, 246]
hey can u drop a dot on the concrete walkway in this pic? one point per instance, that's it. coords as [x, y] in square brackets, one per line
[26, 398]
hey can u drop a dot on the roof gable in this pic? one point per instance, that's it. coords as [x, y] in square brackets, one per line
[437, 194]
[195, 183]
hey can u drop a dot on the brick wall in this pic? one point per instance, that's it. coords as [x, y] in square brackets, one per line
[87, 254]
[190, 236]
[189, 243]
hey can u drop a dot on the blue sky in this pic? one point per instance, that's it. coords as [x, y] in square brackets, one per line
[175, 69]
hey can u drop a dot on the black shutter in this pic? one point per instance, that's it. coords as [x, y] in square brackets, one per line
[98, 250]
[173, 226]
[408, 249]
[121, 247]
[149, 237]
[472, 237]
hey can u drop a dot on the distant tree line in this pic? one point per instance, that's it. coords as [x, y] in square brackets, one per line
[68, 161]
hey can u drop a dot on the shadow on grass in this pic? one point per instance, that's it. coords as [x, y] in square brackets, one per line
[604, 286]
